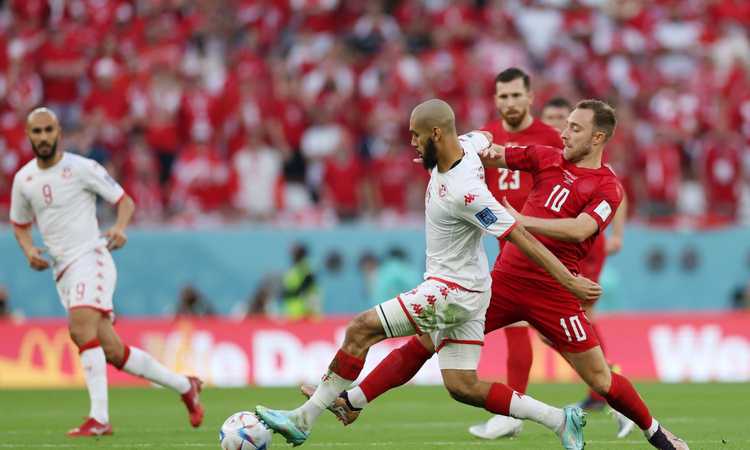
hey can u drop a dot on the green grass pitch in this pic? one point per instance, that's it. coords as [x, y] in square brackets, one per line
[413, 418]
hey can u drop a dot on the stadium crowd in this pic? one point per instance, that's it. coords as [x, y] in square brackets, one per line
[220, 111]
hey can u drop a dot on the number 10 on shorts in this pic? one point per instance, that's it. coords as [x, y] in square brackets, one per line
[576, 326]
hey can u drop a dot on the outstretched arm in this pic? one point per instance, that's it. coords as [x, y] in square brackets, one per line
[581, 287]
[492, 155]
[569, 229]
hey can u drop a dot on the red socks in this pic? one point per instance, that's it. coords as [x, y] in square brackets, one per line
[89, 345]
[396, 369]
[498, 399]
[520, 357]
[347, 366]
[623, 397]
[125, 357]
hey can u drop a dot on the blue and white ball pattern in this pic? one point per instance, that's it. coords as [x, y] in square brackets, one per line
[243, 431]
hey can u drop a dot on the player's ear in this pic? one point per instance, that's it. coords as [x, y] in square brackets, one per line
[531, 98]
[436, 134]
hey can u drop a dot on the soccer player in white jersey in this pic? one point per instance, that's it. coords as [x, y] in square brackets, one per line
[450, 304]
[58, 190]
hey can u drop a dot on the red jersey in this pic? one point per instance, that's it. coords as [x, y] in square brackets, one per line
[560, 190]
[513, 184]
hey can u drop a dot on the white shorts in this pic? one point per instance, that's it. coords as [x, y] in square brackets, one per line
[451, 315]
[89, 282]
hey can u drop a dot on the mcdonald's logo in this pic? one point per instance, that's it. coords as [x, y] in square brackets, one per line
[50, 371]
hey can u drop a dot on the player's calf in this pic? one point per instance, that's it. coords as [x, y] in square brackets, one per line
[363, 332]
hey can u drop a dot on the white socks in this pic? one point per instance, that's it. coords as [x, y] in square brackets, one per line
[327, 391]
[143, 365]
[525, 407]
[95, 371]
[652, 429]
[357, 397]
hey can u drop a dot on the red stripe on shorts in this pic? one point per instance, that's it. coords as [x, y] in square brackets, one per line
[408, 316]
[457, 341]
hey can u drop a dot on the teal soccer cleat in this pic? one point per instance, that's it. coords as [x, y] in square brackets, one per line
[571, 435]
[282, 423]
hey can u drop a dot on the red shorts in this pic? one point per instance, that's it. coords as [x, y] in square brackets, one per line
[553, 311]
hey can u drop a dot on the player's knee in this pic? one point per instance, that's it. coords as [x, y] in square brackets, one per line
[600, 381]
[364, 330]
[114, 353]
[81, 333]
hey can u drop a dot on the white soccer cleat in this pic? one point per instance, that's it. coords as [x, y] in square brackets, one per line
[624, 425]
[497, 427]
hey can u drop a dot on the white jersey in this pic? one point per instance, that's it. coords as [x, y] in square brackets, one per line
[458, 210]
[62, 199]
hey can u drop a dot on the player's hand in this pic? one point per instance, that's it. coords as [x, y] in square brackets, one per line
[586, 290]
[36, 261]
[489, 154]
[613, 244]
[511, 210]
[116, 238]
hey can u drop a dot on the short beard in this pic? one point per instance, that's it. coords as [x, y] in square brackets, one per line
[577, 157]
[429, 157]
[515, 122]
[51, 155]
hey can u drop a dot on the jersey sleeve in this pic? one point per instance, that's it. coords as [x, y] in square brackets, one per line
[98, 181]
[21, 213]
[604, 203]
[480, 208]
[532, 158]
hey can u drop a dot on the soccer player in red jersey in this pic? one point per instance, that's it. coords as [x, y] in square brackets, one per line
[516, 126]
[574, 197]
[555, 113]
[520, 355]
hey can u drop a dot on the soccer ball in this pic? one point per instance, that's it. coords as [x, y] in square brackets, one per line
[243, 431]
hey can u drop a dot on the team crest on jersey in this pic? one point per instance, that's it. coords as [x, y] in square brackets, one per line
[469, 198]
[443, 191]
[67, 173]
[568, 177]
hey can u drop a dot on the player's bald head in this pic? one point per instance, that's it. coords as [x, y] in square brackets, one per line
[43, 131]
[433, 113]
[42, 114]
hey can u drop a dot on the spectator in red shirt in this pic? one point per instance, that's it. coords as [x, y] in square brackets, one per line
[141, 179]
[162, 100]
[661, 173]
[343, 182]
[106, 106]
[62, 67]
[722, 176]
[201, 179]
